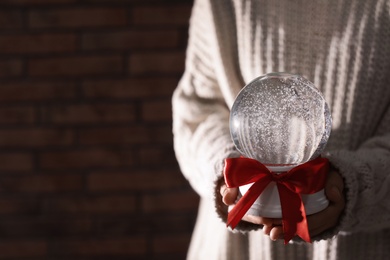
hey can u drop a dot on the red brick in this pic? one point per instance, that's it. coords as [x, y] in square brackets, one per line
[138, 181]
[157, 62]
[42, 183]
[19, 249]
[170, 202]
[130, 40]
[44, 226]
[87, 161]
[17, 115]
[101, 247]
[77, 17]
[66, 227]
[156, 111]
[130, 1]
[171, 244]
[11, 19]
[37, 43]
[157, 155]
[37, 91]
[98, 157]
[23, 206]
[90, 113]
[126, 135]
[15, 162]
[35, 137]
[95, 204]
[36, 2]
[169, 223]
[11, 68]
[119, 226]
[162, 15]
[75, 66]
[156, 223]
[130, 88]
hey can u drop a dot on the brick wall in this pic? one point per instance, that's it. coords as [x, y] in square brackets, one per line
[87, 169]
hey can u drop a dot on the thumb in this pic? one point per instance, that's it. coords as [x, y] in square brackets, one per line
[333, 194]
[229, 195]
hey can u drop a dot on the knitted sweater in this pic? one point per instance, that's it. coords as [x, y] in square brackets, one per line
[342, 46]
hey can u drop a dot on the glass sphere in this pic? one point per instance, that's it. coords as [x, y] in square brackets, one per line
[280, 119]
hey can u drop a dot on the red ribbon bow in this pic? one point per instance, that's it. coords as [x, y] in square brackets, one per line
[307, 178]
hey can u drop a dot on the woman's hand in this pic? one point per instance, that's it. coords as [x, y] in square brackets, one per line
[229, 197]
[317, 223]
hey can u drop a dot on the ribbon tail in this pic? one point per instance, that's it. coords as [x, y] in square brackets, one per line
[302, 227]
[293, 215]
[243, 205]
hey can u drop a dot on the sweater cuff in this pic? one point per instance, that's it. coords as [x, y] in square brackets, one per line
[342, 161]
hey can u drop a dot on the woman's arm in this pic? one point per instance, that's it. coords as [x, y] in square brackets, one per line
[200, 114]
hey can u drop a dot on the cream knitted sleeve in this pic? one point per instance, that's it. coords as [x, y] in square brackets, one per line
[200, 114]
[366, 173]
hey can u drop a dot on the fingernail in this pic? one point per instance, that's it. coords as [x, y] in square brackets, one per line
[223, 191]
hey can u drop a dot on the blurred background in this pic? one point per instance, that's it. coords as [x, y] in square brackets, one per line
[87, 168]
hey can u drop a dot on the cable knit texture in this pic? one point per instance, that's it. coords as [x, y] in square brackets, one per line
[343, 47]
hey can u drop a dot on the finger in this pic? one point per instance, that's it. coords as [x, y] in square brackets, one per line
[335, 198]
[321, 228]
[229, 195]
[322, 221]
[267, 229]
[253, 219]
[335, 179]
[223, 189]
[271, 222]
[327, 218]
[276, 233]
[318, 229]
